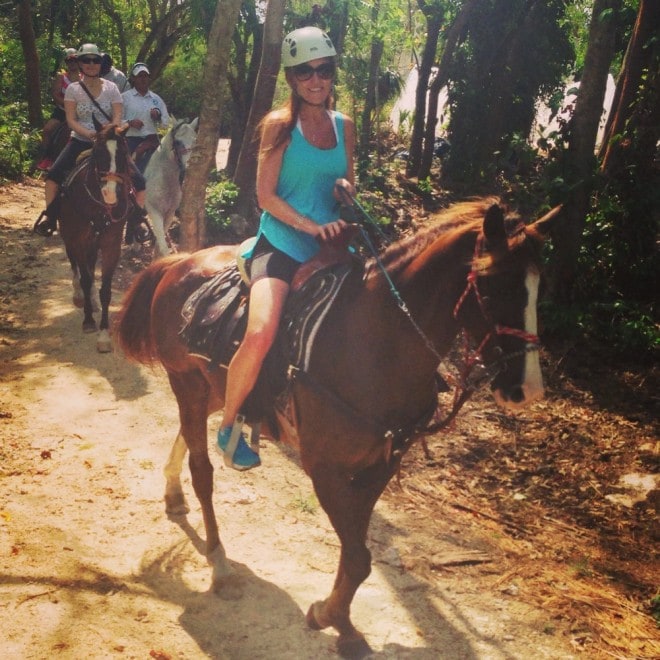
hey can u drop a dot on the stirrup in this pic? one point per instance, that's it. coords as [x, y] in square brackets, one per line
[45, 225]
[142, 232]
[231, 445]
[138, 228]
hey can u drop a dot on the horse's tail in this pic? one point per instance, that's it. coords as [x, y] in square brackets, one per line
[133, 322]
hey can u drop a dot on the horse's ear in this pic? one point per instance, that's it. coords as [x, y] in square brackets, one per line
[549, 221]
[194, 123]
[494, 227]
[97, 124]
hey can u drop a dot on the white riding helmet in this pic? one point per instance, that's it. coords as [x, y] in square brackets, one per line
[306, 44]
[69, 53]
[89, 49]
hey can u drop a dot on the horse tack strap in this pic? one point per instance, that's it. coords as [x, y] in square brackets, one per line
[308, 307]
[471, 285]
[212, 315]
[113, 176]
[397, 440]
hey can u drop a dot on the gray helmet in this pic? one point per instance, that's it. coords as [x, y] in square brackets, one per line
[70, 53]
[89, 49]
[306, 44]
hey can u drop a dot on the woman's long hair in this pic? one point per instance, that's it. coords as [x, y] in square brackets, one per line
[288, 114]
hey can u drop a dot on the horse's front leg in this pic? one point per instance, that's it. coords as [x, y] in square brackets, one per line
[349, 504]
[110, 251]
[159, 229]
[175, 500]
[192, 395]
[86, 280]
[78, 295]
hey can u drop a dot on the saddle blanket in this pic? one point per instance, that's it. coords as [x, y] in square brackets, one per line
[215, 318]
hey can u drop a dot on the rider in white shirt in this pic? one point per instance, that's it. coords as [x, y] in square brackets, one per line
[144, 111]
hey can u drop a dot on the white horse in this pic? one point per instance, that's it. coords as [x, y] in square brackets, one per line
[164, 175]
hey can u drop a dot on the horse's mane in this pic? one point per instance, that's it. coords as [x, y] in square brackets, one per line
[460, 218]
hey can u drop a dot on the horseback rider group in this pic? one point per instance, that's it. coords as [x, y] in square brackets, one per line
[90, 97]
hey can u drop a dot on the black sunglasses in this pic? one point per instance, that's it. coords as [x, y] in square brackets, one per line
[90, 60]
[324, 71]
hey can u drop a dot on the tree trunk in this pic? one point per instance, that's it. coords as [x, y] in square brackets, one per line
[580, 158]
[31, 57]
[455, 34]
[246, 167]
[202, 159]
[370, 102]
[641, 57]
[434, 16]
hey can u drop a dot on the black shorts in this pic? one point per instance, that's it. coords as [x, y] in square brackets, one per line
[268, 261]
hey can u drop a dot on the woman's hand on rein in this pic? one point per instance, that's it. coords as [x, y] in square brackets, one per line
[331, 232]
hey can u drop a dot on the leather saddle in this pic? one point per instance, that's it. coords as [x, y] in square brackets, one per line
[215, 317]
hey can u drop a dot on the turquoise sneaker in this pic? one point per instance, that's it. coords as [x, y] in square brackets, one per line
[242, 458]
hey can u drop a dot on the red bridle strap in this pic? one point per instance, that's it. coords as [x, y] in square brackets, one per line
[471, 285]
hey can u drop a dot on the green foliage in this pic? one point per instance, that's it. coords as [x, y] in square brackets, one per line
[582, 567]
[655, 609]
[624, 326]
[425, 185]
[221, 196]
[304, 504]
[499, 71]
[12, 69]
[180, 84]
[18, 143]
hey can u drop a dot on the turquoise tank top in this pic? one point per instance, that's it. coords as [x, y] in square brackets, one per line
[307, 179]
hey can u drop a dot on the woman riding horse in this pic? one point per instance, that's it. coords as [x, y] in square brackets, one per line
[91, 97]
[306, 151]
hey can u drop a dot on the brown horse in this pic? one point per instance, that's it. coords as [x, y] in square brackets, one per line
[369, 387]
[93, 208]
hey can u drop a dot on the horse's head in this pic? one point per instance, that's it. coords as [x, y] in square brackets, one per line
[180, 141]
[110, 156]
[498, 305]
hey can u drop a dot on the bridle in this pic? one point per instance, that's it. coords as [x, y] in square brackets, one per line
[474, 358]
[179, 150]
[103, 177]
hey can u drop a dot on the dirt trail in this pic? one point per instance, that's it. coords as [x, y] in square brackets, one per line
[90, 565]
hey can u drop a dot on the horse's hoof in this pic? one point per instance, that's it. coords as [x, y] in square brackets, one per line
[104, 342]
[353, 648]
[312, 620]
[89, 327]
[176, 505]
